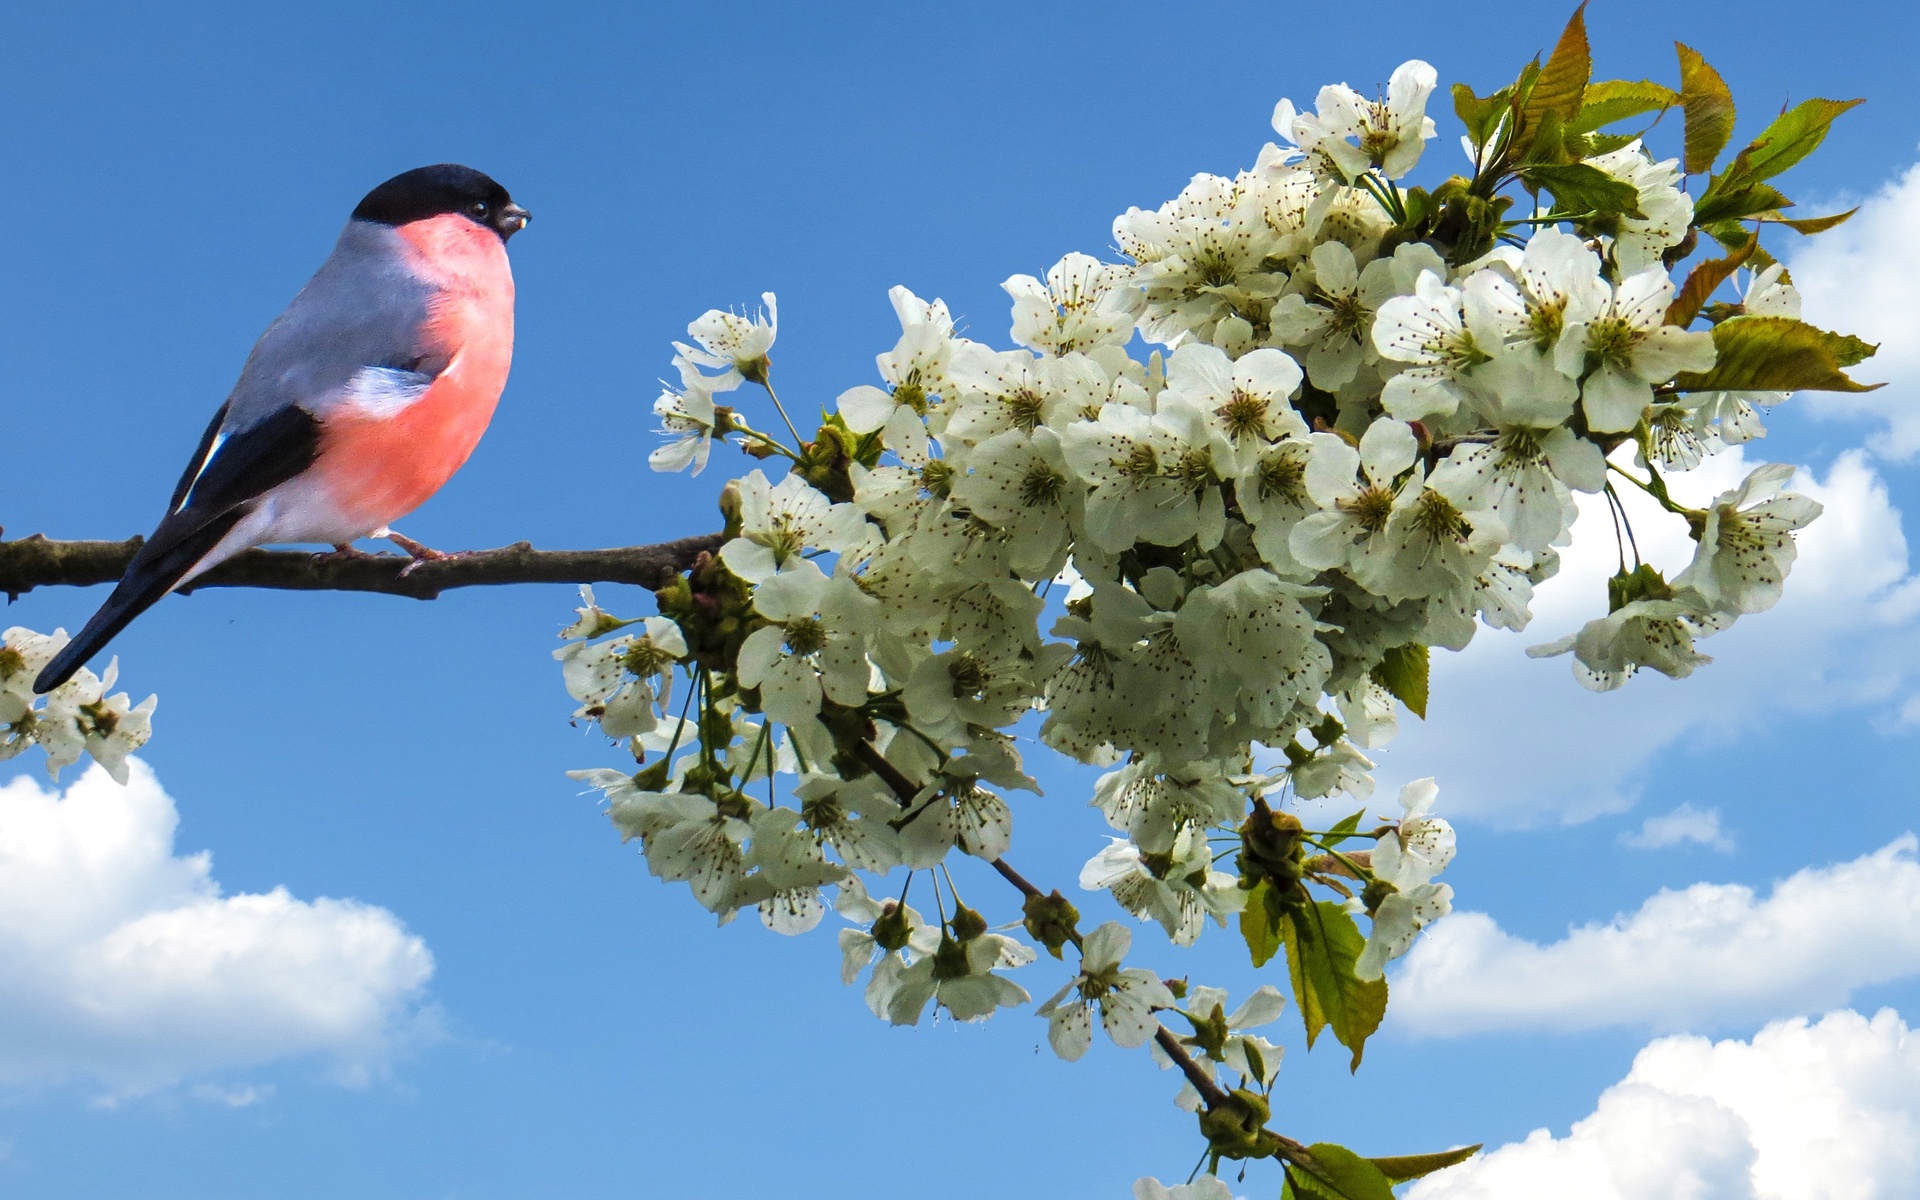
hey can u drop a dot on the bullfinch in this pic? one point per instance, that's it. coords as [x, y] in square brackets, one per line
[357, 403]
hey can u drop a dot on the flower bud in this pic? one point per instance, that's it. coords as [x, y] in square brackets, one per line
[966, 923]
[890, 929]
[1236, 1127]
[1051, 920]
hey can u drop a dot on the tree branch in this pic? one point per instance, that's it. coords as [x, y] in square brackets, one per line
[37, 561]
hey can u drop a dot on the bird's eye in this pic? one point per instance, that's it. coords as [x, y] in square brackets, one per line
[478, 208]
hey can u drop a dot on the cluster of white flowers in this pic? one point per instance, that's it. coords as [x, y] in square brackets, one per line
[1212, 566]
[76, 718]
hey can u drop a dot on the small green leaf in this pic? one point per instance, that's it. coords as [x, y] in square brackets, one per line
[1708, 105]
[1259, 928]
[1732, 235]
[1347, 828]
[1704, 280]
[1330, 1172]
[1809, 224]
[1617, 99]
[1793, 135]
[1563, 81]
[1323, 944]
[1579, 188]
[1481, 115]
[1779, 354]
[1403, 1167]
[1403, 672]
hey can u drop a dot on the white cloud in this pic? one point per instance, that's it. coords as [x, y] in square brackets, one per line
[1826, 1111]
[126, 967]
[1864, 278]
[1683, 824]
[1705, 957]
[1515, 741]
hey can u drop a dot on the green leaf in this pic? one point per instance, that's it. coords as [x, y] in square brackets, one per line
[1704, 280]
[1546, 140]
[1259, 927]
[1617, 99]
[1323, 944]
[1728, 200]
[1593, 145]
[1809, 224]
[1579, 188]
[1563, 81]
[1330, 1172]
[1403, 672]
[1708, 105]
[1412, 1166]
[1793, 135]
[1779, 354]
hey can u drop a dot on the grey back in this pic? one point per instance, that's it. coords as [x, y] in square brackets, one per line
[363, 308]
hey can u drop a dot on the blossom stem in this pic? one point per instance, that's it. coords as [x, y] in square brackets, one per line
[769, 442]
[780, 408]
[1550, 219]
[1657, 489]
[1366, 181]
[1359, 871]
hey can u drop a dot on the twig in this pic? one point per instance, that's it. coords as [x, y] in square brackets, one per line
[1211, 1092]
[38, 561]
[889, 774]
[1016, 878]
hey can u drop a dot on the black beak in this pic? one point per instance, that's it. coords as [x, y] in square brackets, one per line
[512, 220]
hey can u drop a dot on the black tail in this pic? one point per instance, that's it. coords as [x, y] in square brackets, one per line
[161, 564]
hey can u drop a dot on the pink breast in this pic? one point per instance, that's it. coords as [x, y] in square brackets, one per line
[380, 468]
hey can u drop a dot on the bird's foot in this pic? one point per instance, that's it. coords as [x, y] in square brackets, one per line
[341, 552]
[416, 551]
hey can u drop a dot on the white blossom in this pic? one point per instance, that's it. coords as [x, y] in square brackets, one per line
[1407, 860]
[1631, 348]
[779, 521]
[735, 344]
[1328, 315]
[1667, 211]
[1390, 133]
[1643, 633]
[1126, 997]
[1245, 400]
[814, 645]
[1206, 1187]
[1747, 545]
[1083, 303]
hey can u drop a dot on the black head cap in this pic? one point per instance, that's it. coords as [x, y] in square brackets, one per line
[435, 191]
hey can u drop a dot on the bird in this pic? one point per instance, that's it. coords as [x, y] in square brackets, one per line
[358, 402]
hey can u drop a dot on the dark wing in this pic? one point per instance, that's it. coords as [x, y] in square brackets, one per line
[231, 471]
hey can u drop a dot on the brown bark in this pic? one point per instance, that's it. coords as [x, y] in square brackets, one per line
[36, 561]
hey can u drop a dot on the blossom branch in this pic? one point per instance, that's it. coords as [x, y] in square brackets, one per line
[37, 561]
[1210, 1091]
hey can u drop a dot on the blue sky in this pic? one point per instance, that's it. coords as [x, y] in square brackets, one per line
[175, 175]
